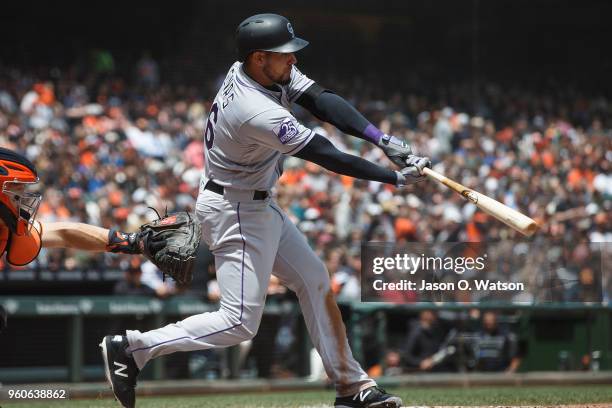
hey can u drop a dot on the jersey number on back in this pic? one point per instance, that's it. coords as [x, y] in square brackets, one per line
[209, 134]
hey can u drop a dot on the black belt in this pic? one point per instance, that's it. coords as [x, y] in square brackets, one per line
[216, 188]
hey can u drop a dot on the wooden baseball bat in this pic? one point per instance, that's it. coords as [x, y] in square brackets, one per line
[505, 214]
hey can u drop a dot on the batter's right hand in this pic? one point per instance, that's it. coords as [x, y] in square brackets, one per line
[413, 172]
[418, 162]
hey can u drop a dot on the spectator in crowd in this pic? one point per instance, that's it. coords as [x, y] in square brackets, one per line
[148, 71]
[425, 339]
[495, 349]
[153, 278]
[345, 281]
[589, 286]
[132, 284]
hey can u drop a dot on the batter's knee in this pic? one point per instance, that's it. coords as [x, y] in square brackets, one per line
[245, 324]
[316, 278]
[243, 333]
[250, 327]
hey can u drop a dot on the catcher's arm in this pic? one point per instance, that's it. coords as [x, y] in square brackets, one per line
[74, 235]
[87, 237]
[170, 242]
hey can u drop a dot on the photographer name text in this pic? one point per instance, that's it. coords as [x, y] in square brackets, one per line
[463, 284]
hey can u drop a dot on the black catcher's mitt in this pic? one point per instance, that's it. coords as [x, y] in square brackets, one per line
[171, 243]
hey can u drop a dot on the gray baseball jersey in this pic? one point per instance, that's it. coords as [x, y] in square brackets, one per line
[250, 129]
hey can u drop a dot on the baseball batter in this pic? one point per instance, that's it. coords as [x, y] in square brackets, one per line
[250, 129]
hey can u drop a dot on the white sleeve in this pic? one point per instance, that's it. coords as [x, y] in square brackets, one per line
[297, 85]
[277, 129]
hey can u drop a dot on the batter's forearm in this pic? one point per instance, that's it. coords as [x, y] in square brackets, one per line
[74, 235]
[320, 151]
[334, 109]
[357, 167]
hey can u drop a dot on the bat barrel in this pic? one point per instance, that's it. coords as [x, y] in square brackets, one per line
[502, 212]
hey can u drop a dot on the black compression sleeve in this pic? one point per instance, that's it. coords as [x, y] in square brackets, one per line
[334, 109]
[322, 152]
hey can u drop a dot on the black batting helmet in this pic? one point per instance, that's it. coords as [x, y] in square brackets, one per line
[266, 32]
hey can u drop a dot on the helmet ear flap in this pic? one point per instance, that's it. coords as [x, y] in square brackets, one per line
[23, 249]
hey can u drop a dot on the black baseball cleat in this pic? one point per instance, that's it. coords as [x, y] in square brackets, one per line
[120, 368]
[373, 397]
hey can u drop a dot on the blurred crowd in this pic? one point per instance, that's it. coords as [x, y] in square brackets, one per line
[108, 146]
[475, 342]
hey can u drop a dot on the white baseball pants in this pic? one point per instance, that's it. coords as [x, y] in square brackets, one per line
[250, 240]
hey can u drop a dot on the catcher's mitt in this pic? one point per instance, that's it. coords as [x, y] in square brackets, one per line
[171, 243]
